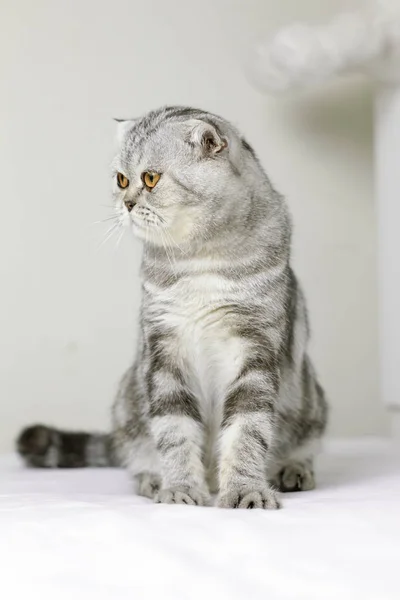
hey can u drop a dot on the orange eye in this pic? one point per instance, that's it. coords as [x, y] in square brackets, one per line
[122, 181]
[150, 180]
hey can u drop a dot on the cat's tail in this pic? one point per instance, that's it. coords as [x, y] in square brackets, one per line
[42, 446]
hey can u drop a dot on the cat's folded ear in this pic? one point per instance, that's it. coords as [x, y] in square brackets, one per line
[123, 126]
[205, 137]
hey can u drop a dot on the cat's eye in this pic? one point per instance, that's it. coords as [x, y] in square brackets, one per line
[122, 181]
[150, 179]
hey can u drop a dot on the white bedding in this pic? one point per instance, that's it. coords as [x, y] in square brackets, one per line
[82, 534]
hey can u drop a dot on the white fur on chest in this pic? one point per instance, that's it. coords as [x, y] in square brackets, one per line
[198, 311]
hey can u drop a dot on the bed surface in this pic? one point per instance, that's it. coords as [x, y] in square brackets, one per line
[82, 534]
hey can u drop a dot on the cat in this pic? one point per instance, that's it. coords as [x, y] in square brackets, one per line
[222, 397]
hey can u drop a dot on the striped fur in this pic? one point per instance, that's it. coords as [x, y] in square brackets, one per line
[222, 396]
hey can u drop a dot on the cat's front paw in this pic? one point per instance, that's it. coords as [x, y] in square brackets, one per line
[182, 495]
[262, 497]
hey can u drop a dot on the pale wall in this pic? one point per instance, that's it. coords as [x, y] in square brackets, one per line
[68, 311]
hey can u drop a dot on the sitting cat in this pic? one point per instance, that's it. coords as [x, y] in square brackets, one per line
[222, 396]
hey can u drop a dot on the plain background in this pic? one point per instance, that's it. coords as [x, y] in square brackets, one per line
[68, 317]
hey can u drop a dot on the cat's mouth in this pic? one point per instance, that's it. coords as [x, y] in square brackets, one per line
[151, 226]
[147, 224]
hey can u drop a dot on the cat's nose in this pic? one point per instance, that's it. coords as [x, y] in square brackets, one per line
[129, 204]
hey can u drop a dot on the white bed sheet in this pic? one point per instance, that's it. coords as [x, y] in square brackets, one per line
[82, 534]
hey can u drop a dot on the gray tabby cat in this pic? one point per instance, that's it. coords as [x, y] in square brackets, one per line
[223, 396]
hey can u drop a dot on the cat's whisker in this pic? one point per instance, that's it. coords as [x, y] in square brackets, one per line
[112, 218]
[173, 254]
[146, 237]
[169, 234]
[159, 217]
[165, 245]
[121, 235]
[109, 233]
[154, 261]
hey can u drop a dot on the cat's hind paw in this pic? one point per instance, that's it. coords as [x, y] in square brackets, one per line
[296, 477]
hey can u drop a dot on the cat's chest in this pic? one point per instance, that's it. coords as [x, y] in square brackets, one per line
[199, 314]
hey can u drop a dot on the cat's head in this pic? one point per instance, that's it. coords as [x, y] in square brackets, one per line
[178, 175]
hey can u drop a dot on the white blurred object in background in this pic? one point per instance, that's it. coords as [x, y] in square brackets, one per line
[301, 55]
